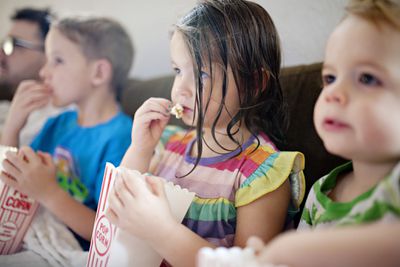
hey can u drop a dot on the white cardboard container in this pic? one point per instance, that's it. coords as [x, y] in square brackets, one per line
[113, 247]
[16, 213]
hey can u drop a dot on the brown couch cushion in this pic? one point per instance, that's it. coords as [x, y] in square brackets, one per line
[5, 93]
[301, 86]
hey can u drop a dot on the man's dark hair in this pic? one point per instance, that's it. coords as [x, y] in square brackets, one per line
[42, 17]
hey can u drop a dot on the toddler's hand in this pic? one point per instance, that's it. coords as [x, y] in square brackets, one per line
[140, 207]
[31, 174]
[30, 95]
[265, 253]
[149, 123]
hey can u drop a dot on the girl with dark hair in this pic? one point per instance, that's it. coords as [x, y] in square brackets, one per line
[226, 58]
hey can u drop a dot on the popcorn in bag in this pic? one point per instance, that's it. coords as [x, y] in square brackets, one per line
[16, 213]
[111, 246]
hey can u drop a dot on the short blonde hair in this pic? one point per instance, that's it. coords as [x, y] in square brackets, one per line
[387, 11]
[101, 38]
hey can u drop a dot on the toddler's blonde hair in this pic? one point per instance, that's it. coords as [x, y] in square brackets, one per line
[387, 11]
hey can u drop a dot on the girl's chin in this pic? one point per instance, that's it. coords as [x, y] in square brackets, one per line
[188, 121]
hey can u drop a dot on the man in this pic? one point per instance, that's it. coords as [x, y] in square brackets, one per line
[21, 58]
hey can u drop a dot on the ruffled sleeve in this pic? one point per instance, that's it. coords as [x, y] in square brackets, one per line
[271, 174]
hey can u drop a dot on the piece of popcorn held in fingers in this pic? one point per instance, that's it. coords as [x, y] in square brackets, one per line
[177, 111]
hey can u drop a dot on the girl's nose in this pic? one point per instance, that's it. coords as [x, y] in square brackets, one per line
[182, 89]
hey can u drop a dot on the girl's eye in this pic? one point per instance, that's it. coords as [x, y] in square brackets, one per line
[369, 79]
[204, 75]
[328, 79]
[177, 71]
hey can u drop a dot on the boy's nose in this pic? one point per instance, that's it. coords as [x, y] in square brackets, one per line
[336, 94]
[43, 73]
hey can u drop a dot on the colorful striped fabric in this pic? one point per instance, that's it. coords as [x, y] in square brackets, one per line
[226, 182]
[380, 203]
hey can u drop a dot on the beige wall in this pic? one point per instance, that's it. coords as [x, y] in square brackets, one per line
[303, 25]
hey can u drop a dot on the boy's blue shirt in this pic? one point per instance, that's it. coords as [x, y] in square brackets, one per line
[80, 153]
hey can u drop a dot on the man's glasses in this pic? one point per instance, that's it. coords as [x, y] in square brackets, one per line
[10, 43]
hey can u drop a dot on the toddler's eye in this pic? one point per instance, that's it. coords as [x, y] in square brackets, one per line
[369, 79]
[328, 79]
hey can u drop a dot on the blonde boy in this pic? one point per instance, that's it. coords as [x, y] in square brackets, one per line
[88, 60]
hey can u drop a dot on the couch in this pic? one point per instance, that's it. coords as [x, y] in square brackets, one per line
[301, 86]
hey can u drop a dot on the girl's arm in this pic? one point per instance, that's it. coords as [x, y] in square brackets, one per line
[367, 245]
[148, 125]
[264, 217]
[145, 213]
[136, 159]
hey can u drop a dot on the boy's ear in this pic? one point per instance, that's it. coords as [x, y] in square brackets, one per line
[101, 72]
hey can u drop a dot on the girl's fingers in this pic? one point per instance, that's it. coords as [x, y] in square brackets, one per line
[111, 215]
[158, 105]
[156, 185]
[122, 191]
[114, 201]
[152, 117]
[135, 184]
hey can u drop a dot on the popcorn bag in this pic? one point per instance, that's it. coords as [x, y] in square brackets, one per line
[230, 257]
[114, 247]
[16, 213]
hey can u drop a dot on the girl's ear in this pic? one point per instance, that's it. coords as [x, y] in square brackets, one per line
[264, 79]
[101, 72]
[261, 82]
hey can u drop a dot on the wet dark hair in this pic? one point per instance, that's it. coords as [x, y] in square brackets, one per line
[242, 35]
[43, 17]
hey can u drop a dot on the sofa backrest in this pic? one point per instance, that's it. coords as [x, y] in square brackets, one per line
[301, 86]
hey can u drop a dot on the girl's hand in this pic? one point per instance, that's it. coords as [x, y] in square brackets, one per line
[149, 123]
[31, 174]
[140, 207]
[30, 95]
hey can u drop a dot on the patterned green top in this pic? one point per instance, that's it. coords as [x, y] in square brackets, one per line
[380, 203]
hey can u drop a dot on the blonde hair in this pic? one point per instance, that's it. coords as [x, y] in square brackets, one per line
[101, 38]
[387, 11]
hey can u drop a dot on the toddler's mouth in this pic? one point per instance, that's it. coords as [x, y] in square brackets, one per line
[332, 124]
